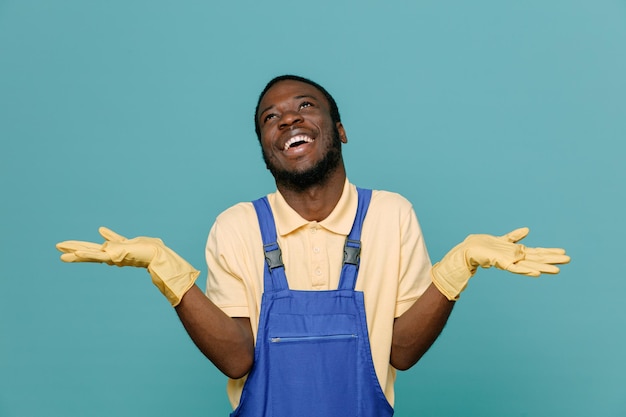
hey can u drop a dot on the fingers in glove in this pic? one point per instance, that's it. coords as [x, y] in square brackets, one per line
[547, 255]
[541, 267]
[555, 251]
[110, 235]
[522, 269]
[69, 246]
[87, 256]
[70, 257]
[93, 256]
[532, 269]
[516, 235]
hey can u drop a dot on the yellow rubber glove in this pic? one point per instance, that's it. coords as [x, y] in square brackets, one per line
[172, 275]
[451, 274]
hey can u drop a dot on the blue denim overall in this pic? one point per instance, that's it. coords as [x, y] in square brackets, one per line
[312, 355]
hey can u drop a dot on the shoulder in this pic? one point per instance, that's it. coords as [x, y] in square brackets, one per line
[390, 213]
[236, 212]
[388, 202]
[238, 220]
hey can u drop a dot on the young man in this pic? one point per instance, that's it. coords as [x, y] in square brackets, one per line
[319, 292]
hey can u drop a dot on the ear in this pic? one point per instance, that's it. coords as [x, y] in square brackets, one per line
[342, 133]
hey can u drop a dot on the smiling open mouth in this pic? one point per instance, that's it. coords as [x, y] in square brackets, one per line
[297, 141]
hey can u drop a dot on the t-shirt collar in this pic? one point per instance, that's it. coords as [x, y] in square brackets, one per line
[338, 221]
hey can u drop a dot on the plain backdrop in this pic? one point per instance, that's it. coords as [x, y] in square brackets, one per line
[138, 115]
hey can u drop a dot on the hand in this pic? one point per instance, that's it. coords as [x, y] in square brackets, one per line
[116, 250]
[452, 273]
[170, 273]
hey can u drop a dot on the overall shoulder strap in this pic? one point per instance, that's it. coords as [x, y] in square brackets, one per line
[274, 278]
[352, 247]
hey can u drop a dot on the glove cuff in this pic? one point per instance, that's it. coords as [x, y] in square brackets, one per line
[172, 275]
[450, 282]
[176, 287]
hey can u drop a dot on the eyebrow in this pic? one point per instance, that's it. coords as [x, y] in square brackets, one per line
[294, 98]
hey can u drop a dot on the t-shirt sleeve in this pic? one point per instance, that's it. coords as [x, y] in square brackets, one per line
[415, 264]
[225, 287]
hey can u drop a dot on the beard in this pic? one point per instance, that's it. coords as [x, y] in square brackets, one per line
[318, 174]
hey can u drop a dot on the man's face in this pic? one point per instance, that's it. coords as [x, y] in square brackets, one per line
[301, 144]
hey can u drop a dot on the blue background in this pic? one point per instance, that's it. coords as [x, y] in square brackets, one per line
[137, 115]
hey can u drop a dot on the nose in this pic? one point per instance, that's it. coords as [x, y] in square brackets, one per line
[289, 119]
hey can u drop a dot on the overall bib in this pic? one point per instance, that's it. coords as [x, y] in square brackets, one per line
[312, 355]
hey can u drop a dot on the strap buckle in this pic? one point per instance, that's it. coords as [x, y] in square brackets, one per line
[273, 255]
[352, 252]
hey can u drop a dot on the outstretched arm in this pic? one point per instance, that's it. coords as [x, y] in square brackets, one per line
[418, 328]
[227, 342]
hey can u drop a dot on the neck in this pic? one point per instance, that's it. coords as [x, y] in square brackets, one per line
[316, 202]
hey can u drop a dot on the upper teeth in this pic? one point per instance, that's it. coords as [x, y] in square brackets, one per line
[299, 138]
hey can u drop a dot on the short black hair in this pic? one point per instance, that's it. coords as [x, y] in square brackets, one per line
[334, 110]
